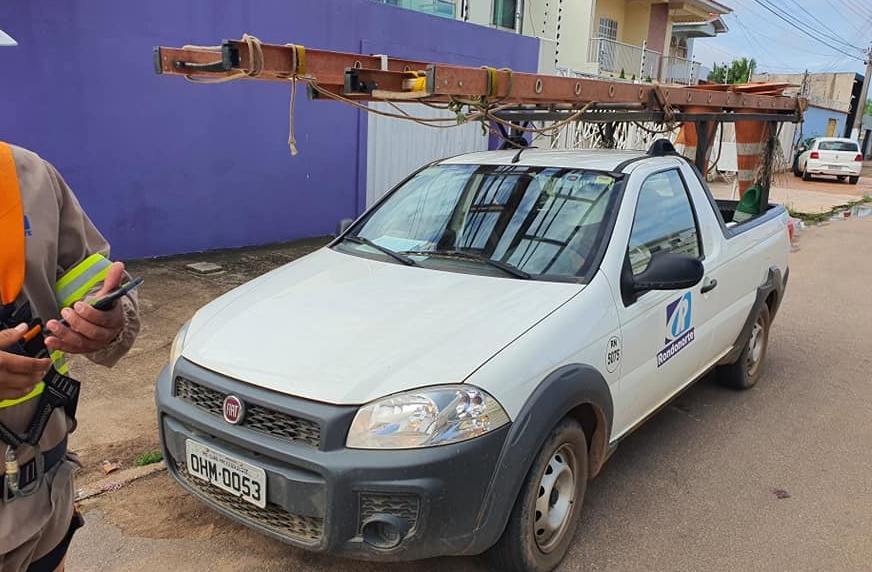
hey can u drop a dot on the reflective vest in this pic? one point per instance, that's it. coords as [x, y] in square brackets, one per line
[70, 288]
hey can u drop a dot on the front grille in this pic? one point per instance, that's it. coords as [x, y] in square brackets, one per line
[402, 505]
[258, 418]
[307, 529]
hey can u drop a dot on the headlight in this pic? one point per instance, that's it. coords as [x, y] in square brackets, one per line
[425, 418]
[178, 343]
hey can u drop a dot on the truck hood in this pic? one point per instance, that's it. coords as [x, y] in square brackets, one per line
[342, 329]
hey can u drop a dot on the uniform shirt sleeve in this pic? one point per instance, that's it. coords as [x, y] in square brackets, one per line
[78, 238]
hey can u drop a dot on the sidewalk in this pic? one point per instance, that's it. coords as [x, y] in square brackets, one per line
[819, 195]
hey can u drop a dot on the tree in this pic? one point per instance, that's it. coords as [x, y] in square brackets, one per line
[868, 110]
[739, 71]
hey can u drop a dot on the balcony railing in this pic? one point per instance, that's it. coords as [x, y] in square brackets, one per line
[680, 71]
[620, 59]
[444, 8]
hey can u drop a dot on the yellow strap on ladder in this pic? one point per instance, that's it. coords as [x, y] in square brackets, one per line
[11, 229]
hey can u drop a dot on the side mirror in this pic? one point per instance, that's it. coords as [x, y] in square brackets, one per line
[669, 271]
[343, 225]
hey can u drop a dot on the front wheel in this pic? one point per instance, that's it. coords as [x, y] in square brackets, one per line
[548, 507]
[744, 373]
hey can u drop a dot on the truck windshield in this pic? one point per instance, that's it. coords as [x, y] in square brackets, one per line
[514, 221]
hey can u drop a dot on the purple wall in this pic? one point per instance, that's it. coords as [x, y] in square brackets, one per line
[164, 166]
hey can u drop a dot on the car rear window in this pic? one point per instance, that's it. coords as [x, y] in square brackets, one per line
[839, 146]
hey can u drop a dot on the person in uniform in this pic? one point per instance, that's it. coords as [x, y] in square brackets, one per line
[65, 265]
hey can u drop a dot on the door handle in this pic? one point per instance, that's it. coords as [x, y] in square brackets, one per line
[709, 287]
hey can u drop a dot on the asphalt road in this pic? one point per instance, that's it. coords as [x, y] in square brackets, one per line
[776, 478]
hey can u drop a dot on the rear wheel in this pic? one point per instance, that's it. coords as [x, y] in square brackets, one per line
[743, 374]
[853, 180]
[805, 175]
[548, 507]
[841, 178]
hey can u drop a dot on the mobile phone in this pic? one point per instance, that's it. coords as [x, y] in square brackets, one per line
[108, 301]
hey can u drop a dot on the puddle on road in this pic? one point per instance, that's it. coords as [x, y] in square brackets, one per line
[857, 211]
[861, 211]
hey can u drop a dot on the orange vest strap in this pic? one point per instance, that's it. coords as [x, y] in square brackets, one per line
[11, 229]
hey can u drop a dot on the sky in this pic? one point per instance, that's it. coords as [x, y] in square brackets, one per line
[843, 29]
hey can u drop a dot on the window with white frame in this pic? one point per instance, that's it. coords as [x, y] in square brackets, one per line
[608, 28]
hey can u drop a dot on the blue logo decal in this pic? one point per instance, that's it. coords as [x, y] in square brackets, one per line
[27, 231]
[679, 331]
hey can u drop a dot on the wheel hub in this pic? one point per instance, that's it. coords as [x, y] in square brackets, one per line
[554, 504]
[756, 345]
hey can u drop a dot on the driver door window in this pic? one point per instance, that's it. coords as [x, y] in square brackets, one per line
[664, 221]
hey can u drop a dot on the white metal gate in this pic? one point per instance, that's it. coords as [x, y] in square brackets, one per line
[396, 147]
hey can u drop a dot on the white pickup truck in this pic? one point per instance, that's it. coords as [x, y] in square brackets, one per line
[446, 375]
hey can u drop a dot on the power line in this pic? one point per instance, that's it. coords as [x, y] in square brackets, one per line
[815, 18]
[809, 29]
[799, 27]
[799, 48]
[753, 40]
[767, 58]
[863, 18]
[857, 8]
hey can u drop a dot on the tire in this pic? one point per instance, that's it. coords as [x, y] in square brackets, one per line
[744, 373]
[841, 178]
[853, 180]
[795, 166]
[806, 176]
[546, 513]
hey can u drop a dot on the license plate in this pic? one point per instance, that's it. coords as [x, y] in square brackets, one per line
[229, 474]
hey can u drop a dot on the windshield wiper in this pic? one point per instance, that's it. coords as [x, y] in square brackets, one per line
[504, 266]
[393, 254]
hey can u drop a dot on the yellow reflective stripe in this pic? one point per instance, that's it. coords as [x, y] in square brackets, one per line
[73, 285]
[59, 359]
[34, 393]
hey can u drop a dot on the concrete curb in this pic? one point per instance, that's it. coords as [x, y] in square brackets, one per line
[118, 480]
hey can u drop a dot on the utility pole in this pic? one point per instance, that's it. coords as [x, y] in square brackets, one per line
[861, 102]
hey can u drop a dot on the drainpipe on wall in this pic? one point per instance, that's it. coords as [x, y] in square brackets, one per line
[519, 17]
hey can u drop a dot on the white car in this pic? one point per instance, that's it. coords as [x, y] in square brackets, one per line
[446, 375]
[835, 156]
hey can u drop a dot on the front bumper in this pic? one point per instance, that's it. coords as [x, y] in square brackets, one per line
[320, 495]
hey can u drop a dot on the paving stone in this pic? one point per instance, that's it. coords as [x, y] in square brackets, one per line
[204, 267]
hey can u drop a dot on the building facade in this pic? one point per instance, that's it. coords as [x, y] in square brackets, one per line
[165, 166]
[644, 40]
[168, 167]
[833, 100]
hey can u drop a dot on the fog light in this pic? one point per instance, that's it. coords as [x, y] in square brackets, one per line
[384, 531]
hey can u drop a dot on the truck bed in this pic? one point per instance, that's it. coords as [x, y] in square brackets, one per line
[727, 208]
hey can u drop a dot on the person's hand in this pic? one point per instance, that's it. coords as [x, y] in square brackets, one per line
[89, 329]
[18, 374]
